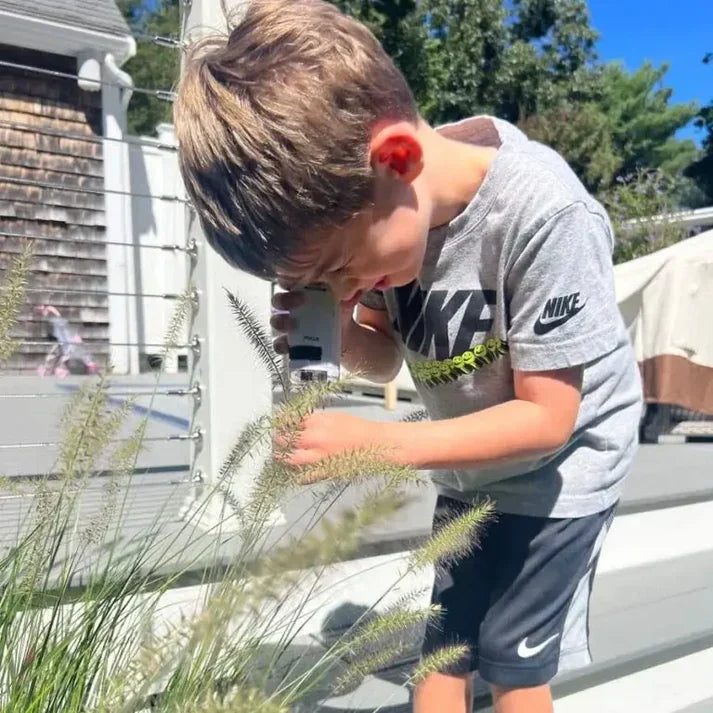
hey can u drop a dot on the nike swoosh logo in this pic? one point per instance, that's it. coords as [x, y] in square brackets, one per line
[543, 328]
[526, 652]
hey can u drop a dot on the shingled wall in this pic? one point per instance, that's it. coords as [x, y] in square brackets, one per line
[55, 104]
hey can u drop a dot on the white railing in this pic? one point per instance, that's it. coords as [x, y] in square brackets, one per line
[701, 217]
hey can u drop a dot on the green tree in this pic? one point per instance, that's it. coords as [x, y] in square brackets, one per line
[582, 134]
[534, 62]
[550, 56]
[627, 125]
[643, 121]
[463, 57]
[153, 67]
[702, 170]
[642, 209]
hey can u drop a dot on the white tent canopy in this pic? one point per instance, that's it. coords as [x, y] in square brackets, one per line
[666, 299]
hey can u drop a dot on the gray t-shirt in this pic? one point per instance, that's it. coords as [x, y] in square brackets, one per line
[522, 280]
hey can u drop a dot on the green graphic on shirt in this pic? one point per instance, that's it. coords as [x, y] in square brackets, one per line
[444, 371]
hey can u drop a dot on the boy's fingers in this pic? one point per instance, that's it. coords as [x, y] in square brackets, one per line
[279, 442]
[283, 323]
[281, 345]
[287, 300]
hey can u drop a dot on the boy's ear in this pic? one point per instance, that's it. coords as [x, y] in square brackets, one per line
[397, 152]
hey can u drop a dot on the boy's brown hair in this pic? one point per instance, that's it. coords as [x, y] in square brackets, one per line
[274, 123]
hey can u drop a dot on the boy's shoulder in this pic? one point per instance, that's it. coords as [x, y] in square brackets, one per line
[529, 192]
[520, 159]
[534, 186]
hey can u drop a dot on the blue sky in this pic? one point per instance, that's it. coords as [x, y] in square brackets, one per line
[679, 32]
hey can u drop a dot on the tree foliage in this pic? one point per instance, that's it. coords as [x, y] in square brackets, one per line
[644, 121]
[153, 67]
[627, 125]
[702, 170]
[642, 208]
[465, 57]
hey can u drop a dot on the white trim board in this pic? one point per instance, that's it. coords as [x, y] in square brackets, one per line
[47, 36]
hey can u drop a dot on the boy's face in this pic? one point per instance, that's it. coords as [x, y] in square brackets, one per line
[381, 247]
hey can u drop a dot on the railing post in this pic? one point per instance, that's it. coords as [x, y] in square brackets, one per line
[173, 224]
[121, 277]
[235, 389]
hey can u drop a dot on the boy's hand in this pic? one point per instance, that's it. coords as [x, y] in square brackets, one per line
[330, 433]
[283, 324]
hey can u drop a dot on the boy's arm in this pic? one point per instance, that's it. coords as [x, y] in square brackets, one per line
[369, 347]
[539, 421]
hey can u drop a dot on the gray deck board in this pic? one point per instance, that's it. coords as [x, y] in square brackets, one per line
[701, 707]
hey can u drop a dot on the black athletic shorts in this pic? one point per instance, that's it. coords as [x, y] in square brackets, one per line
[520, 601]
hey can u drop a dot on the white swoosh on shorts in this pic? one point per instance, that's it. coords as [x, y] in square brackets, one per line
[525, 652]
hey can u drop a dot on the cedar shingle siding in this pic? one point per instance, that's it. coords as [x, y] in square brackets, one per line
[57, 104]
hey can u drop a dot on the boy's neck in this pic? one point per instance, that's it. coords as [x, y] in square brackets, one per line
[454, 171]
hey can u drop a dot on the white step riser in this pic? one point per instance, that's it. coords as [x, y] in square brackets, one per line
[674, 687]
[668, 688]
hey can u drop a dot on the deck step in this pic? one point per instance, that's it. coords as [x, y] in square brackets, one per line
[679, 686]
[700, 707]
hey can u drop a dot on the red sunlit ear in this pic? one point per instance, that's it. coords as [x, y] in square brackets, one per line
[398, 153]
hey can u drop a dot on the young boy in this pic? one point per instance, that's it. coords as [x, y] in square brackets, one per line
[477, 256]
